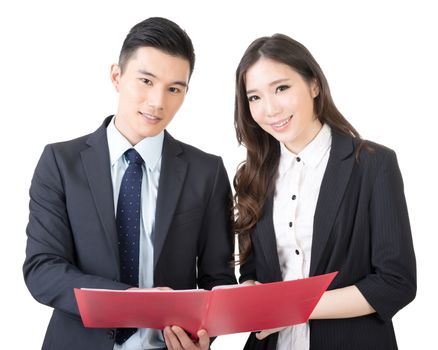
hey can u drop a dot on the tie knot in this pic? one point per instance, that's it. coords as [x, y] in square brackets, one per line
[133, 156]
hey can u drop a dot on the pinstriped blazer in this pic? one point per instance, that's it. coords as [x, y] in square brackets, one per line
[361, 229]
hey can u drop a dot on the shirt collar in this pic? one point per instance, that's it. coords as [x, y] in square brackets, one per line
[149, 148]
[311, 155]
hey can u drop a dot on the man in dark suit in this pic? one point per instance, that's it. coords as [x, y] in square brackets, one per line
[79, 232]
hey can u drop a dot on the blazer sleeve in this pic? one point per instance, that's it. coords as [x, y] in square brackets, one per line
[50, 270]
[216, 241]
[247, 269]
[392, 283]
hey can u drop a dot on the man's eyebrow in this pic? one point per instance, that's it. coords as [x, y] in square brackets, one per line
[145, 72]
[177, 82]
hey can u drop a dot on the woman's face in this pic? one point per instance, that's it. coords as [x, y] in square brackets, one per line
[281, 103]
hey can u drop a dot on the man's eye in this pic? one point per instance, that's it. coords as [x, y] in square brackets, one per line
[174, 90]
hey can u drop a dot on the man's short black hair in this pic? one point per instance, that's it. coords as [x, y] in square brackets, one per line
[159, 33]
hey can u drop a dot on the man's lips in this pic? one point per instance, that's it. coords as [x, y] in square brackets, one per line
[149, 116]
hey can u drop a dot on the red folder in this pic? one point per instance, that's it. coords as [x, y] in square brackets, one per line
[223, 310]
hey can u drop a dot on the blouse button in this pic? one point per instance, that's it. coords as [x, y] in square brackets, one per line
[298, 159]
[290, 224]
[297, 252]
[294, 197]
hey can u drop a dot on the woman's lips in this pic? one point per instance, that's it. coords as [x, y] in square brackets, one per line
[277, 126]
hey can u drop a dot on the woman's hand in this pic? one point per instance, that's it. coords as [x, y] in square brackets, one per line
[250, 283]
[263, 334]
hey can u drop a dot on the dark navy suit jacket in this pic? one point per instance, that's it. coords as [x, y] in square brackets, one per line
[72, 236]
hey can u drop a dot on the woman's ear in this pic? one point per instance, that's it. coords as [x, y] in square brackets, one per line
[115, 76]
[314, 88]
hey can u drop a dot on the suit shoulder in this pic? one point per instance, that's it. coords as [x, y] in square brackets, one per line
[78, 142]
[193, 153]
[67, 149]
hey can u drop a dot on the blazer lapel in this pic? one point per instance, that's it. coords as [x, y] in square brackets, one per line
[333, 186]
[266, 236]
[173, 173]
[95, 160]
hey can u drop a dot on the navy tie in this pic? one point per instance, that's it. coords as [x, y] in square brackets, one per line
[128, 227]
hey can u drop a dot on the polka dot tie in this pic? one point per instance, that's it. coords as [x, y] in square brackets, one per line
[128, 227]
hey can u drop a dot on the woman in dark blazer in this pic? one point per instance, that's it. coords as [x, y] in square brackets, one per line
[311, 198]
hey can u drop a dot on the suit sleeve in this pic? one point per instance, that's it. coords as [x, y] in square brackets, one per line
[216, 242]
[50, 270]
[392, 285]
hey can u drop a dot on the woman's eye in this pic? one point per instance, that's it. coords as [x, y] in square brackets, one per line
[253, 98]
[281, 88]
[146, 81]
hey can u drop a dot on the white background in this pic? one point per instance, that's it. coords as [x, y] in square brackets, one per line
[380, 58]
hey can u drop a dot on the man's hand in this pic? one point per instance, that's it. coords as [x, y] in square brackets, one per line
[177, 339]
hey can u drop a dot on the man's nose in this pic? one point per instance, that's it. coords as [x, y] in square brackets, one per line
[155, 98]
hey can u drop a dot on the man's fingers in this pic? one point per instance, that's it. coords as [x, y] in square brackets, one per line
[171, 339]
[177, 339]
[204, 339]
[166, 339]
[183, 338]
[163, 288]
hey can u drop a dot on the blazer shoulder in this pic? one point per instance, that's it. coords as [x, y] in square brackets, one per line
[373, 150]
[374, 156]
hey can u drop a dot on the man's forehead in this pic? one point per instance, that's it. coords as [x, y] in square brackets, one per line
[160, 65]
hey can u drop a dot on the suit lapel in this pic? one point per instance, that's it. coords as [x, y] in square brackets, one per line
[172, 176]
[95, 160]
[333, 186]
[266, 236]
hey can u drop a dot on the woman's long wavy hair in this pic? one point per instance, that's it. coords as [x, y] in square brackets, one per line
[255, 177]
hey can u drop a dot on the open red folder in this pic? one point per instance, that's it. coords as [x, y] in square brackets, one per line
[223, 310]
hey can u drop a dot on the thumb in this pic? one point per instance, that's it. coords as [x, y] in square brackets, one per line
[262, 335]
[204, 339]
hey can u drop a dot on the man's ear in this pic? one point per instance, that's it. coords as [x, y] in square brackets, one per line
[115, 75]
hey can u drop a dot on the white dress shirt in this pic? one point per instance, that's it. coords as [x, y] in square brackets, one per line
[150, 150]
[296, 194]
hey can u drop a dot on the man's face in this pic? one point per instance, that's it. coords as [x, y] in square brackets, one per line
[151, 89]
